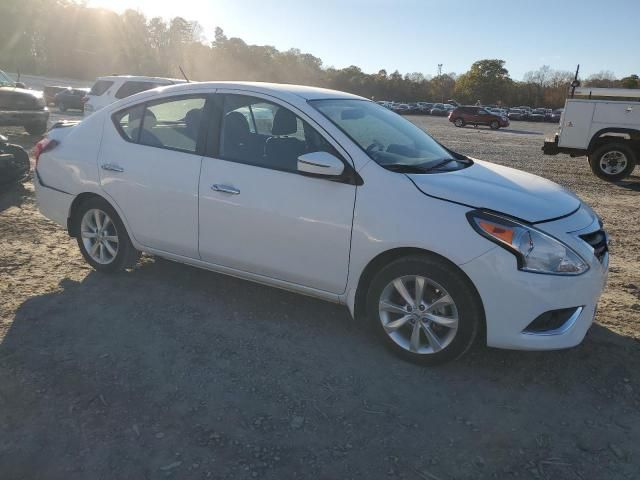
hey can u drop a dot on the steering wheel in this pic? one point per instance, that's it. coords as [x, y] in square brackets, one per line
[376, 146]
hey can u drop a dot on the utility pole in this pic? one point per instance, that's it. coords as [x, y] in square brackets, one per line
[440, 82]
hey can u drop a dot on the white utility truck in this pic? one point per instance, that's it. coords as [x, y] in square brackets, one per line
[604, 124]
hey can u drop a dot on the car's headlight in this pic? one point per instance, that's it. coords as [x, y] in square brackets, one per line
[535, 251]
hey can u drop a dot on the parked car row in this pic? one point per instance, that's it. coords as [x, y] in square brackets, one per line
[535, 114]
[420, 108]
[444, 109]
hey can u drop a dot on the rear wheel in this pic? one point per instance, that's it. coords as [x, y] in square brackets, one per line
[424, 309]
[613, 161]
[459, 122]
[102, 237]
[495, 125]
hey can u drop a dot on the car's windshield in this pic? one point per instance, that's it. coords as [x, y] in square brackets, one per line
[5, 80]
[390, 140]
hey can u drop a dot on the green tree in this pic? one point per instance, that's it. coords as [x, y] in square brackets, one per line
[487, 81]
[632, 81]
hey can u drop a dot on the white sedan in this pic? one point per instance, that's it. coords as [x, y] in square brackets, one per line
[331, 195]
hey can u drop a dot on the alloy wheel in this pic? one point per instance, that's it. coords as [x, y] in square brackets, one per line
[99, 236]
[418, 314]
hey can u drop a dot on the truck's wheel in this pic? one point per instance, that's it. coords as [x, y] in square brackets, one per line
[36, 128]
[613, 161]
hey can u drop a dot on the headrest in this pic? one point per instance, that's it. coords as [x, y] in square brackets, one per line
[150, 120]
[284, 123]
[193, 117]
[236, 124]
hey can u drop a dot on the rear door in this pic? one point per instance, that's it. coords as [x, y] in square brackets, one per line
[576, 124]
[150, 165]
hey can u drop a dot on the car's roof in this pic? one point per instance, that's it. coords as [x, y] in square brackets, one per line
[141, 78]
[302, 91]
[294, 94]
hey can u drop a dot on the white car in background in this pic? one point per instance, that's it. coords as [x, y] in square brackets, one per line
[330, 195]
[110, 89]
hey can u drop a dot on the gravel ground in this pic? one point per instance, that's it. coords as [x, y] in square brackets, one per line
[170, 371]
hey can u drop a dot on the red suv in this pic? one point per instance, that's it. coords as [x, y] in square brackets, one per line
[462, 116]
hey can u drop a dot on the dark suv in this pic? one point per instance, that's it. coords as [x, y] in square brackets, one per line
[462, 116]
[22, 107]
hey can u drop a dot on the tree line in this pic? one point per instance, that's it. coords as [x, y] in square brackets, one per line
[68, 39]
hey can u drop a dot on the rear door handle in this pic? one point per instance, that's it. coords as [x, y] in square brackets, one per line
[112, 167]
[225, 189]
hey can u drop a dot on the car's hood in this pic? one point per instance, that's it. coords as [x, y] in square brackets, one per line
[501, 189]
[19, 98]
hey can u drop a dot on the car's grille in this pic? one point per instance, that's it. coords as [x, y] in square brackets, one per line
[598, 241]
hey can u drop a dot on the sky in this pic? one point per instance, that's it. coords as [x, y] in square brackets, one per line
[417, 35]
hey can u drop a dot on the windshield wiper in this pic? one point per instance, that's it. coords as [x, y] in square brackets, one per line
[441, 163]
[404, 168]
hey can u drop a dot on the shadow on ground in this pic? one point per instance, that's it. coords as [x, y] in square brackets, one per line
[170, 370]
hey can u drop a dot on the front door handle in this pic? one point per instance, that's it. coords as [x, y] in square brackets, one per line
[112, 167]
[225, 189]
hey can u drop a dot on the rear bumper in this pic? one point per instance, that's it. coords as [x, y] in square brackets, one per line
[23, 117]
[550, 146]
[52, 203]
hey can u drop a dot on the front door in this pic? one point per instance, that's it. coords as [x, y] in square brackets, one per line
[150, 165]
[257, 214]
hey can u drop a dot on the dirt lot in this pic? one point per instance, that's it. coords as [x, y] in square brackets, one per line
[169, 371]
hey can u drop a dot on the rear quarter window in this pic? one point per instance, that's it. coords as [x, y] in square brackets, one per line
[100, 87]
[129, 121]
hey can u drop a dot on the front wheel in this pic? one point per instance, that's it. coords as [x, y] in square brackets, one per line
[459, 122]
[613, 161]
[424, 309]
[102, 237]
[494, 125]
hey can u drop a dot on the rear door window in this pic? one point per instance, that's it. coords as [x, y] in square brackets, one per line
[100, 87]
[173, 124]
[130, 88]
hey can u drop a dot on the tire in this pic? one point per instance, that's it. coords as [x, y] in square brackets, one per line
[112, 235]
[459, 122]
[494, 125]
[613, 161]
[20, 166]
[441, 281]
[36, 128]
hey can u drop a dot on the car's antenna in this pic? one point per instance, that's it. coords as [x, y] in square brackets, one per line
[576, 83]
[182, 72]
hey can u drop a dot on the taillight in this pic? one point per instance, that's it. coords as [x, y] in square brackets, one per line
[84, 99]
[44, 145]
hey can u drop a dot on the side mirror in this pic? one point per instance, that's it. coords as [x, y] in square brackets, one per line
[320, 164]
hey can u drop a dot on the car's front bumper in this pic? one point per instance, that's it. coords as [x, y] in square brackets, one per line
[513, 298]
